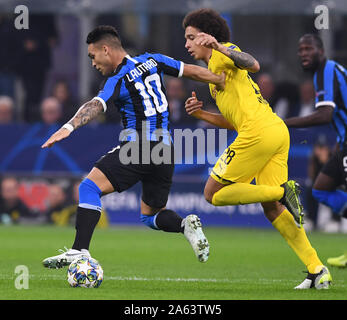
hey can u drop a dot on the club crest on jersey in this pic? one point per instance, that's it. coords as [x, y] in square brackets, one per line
[319, 93]
[139, 70]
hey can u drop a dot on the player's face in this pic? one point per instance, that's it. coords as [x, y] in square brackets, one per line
[309, 54]
[100, 57]
[196, 51]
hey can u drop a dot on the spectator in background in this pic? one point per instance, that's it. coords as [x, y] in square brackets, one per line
[36, 44]
[176, 96]
[283, 98]
[9, 55]
[307, 96]
[56, 201]
[286, 102]
[67, 214]
[6, 110]
[62, 93]
[51, 111]
[267, 87]
[320, 155]
[12, 209]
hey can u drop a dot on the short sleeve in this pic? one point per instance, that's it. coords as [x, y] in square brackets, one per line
[324, 84]
[227, 62]
[168, 65]
[108, 89]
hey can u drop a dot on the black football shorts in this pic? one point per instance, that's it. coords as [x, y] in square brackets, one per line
[125, 169]
[336, 167]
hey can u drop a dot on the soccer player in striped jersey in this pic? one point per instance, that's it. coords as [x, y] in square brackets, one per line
[330, 82]
[260, 150]
[135, 86]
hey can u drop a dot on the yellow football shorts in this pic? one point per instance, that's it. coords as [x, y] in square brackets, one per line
[263, 156]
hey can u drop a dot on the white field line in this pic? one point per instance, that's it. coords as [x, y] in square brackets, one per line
[263, 281]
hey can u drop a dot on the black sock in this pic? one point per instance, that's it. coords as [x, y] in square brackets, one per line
[86, 221]
[169, 221]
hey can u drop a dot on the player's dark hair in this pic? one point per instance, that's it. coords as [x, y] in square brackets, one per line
[106, 33]
[208, 21]
[315, 38]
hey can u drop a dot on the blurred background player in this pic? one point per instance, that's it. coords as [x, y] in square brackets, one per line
[134, 85]
[330, 82]
[261, 148]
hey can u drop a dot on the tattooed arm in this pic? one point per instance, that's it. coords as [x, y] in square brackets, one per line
[84, 114]
[242, 60]
[87, 112]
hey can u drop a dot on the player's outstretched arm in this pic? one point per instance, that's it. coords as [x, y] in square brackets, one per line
[84, 114]
[321, 116]
[193, 107]
[242, 59]
[201, 74]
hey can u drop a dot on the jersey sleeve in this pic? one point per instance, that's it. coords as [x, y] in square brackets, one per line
[169, 65]
[226, 61]
[324, 85]
[108, 89]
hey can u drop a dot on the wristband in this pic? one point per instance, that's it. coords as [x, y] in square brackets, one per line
[68, 126]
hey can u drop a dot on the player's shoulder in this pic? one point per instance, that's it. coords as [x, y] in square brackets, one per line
[334, 64]
[232, 46]
[324, 72]
[160, 57]
[217, 55]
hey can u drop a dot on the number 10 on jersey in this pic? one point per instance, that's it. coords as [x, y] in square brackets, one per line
[147, 91]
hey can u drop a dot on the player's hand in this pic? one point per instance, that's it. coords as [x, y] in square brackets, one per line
[193, 105]
[59, 135]
[206, 40]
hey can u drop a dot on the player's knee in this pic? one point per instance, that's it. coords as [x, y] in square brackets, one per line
[89, 195]
[149, 221]
[208, 195]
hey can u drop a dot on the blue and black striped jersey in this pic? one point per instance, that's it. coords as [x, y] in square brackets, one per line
[330, 82]
[136, 88]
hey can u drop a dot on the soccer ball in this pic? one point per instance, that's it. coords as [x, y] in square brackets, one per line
[85, 272]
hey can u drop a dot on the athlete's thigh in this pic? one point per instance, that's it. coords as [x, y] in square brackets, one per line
[120, 175]
[98, 177]
[325, 182]
[334, 172]
[241, 161]
[275, 171]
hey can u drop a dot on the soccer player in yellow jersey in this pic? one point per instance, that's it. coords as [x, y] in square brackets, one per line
[261, 148]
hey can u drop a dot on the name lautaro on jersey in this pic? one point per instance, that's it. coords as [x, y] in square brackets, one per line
[139, 70]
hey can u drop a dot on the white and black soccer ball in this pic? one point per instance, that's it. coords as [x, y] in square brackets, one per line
[85, 272]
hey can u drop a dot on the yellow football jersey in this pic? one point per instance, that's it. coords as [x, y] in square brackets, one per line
[240, 102]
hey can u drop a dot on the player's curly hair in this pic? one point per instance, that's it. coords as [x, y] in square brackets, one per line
[208, 21]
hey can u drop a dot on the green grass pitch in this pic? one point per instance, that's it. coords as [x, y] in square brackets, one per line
[143, 264]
